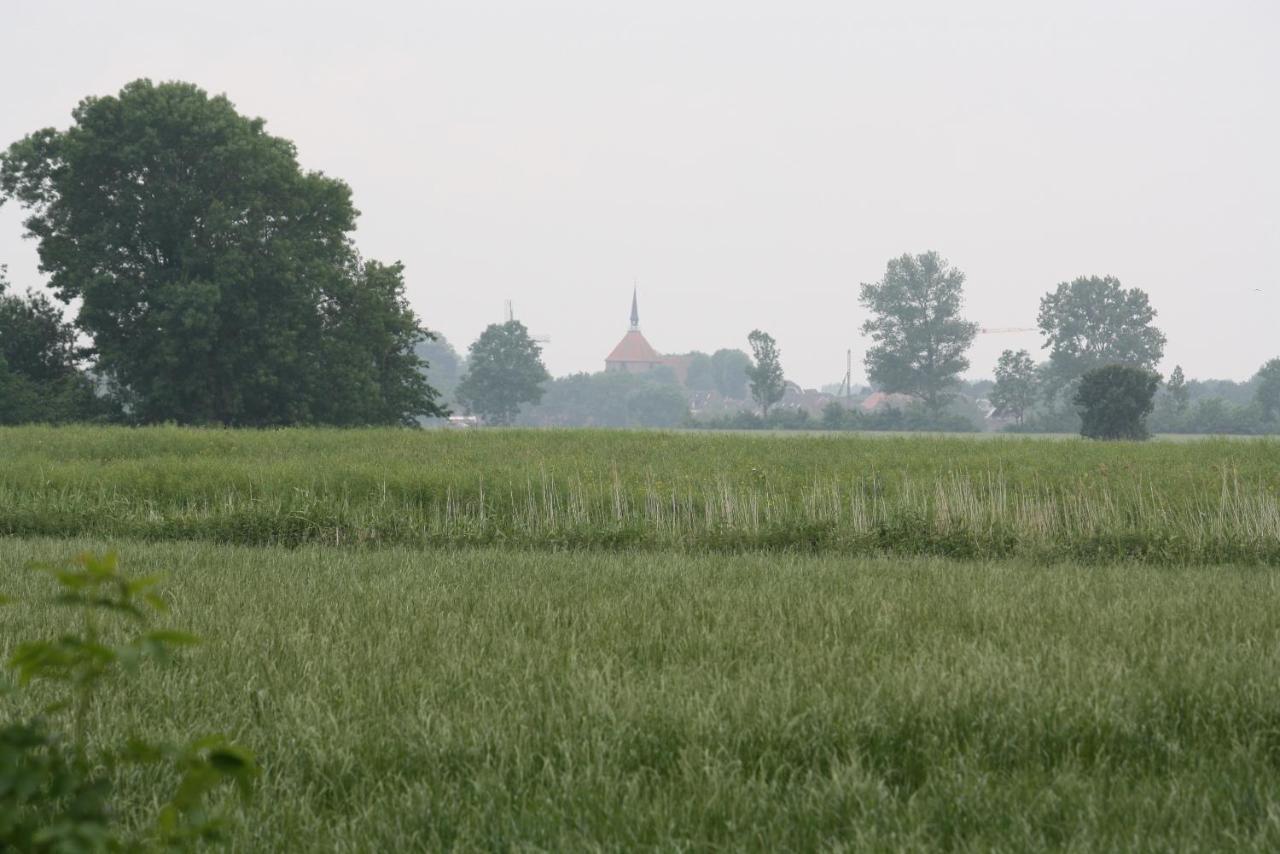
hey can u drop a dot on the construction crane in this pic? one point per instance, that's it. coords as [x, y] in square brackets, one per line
[510, 315]
[1000, 330]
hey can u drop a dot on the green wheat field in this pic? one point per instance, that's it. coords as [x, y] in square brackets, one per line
[577, 640]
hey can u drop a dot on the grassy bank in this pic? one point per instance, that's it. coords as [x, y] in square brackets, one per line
[496, 698]
[1160, 503]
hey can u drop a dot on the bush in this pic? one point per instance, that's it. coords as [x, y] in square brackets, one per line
[1115, 400]
[56, 792]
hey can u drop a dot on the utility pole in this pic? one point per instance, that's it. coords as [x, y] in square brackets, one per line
[848, 374]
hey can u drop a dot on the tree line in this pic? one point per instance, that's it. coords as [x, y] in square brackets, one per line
[1098, 378]
[214, 281]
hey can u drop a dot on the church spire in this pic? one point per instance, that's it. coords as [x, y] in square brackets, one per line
[635, 310]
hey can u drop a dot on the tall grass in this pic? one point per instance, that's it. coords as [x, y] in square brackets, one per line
[1158, 502]
[506, 699]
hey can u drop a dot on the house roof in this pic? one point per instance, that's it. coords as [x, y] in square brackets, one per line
[881, 400]
[633, 348]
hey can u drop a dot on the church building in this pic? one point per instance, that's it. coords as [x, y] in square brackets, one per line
[634, 354]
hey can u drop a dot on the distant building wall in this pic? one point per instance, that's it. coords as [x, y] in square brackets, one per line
[630, 367]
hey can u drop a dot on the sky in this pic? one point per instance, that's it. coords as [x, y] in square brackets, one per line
[746, 164]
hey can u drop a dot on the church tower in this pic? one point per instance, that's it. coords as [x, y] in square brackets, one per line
[633, 354]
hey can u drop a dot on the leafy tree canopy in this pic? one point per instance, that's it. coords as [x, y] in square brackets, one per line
[373, 374]
[40, 375]
[767, 382]
[730, 368]
[1179, 394]
[1115, 400]
[443, 365]
[701, 375]
[1091, 322]
[34, 339]
[919, 338]
[218, 280]
[1015, 388]
[608, 399]
[1267, 390]
[504, 372]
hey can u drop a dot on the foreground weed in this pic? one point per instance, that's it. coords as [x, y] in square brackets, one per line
[57, 786]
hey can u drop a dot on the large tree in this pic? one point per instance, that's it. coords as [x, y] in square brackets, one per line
[1091, 322]
[1015, 389]
[919, 338]
[767, 381]
[217, 280]
[504, 372]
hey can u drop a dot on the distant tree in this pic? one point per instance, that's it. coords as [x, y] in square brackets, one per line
[767, 382]
[701, 375]
[217, 280]
[663, 375]
[730, 368]
[1091, 322]
[442, 365]
[656, 405]
[608, 399]
[1216, 416]
[504, 372]
[1267, 390]
[833, 416]
[1230, 391]
[1179, 394]
[920, 338]
[34, 339]
[1115, 400]
[583, 400]
[1015, 389]
[41, 378]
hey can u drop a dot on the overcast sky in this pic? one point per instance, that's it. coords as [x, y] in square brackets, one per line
[748, 163]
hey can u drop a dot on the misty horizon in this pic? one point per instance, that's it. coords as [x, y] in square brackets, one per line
[746, 165]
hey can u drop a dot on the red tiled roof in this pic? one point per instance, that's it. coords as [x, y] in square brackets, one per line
[633, 348]
[881, 400]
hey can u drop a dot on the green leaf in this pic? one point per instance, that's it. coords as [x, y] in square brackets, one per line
[231, 760]
[100, 566]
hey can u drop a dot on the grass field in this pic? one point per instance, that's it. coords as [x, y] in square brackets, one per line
[1163, 503]
[575, 640]
[491, 698]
